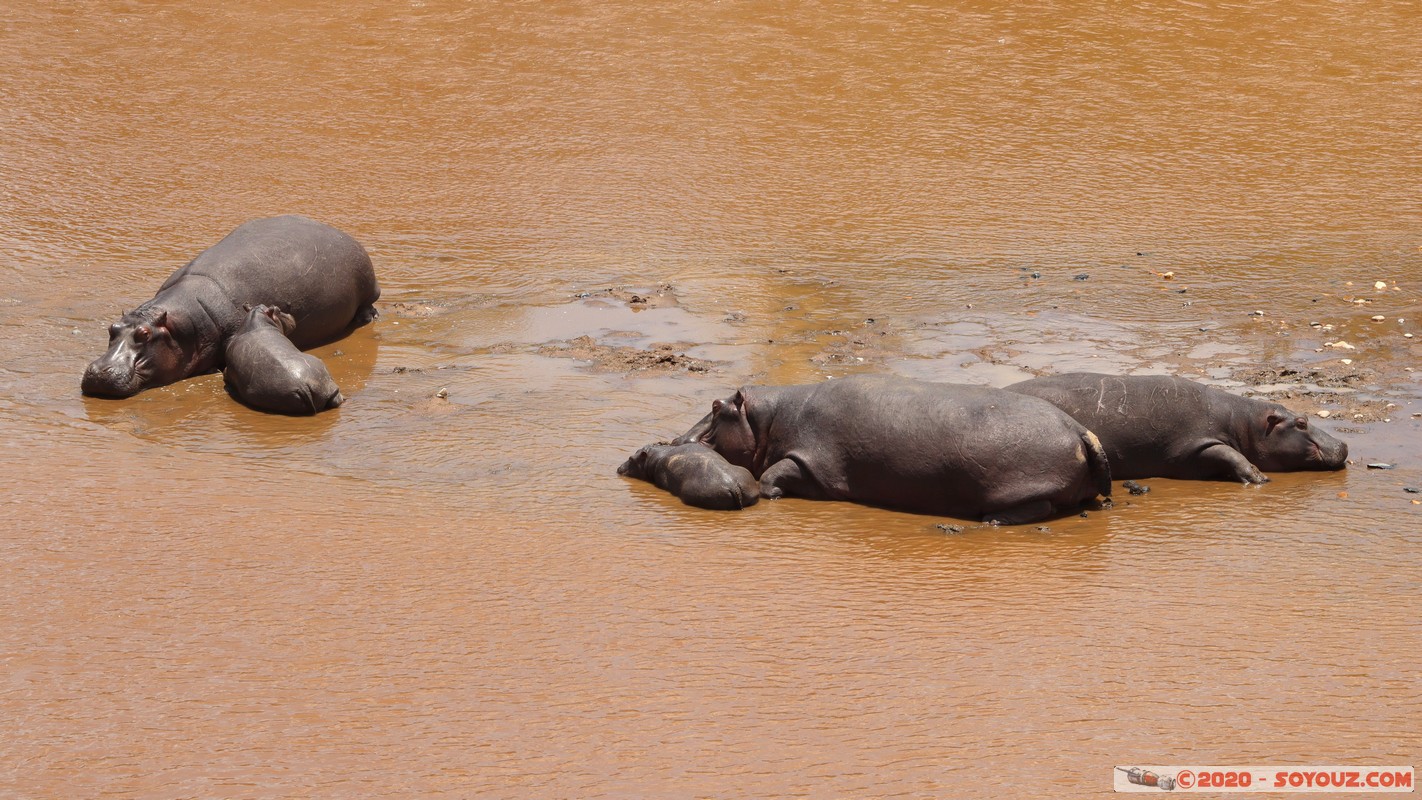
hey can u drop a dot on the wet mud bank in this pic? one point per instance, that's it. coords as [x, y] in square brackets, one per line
[1349, 363]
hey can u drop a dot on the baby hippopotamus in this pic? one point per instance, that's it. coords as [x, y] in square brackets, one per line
[1156, 426]
[697, 474]
[267, 372]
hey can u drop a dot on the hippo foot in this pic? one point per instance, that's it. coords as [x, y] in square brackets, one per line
[365, 316]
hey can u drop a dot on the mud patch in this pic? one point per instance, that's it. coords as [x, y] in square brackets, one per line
[412, 310]
[1305, 379]
[1330, 390]
[663, 296]
[871, 341]
[656, 358]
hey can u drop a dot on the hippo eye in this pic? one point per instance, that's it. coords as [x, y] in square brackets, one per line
[142, 333]
[1302, 424]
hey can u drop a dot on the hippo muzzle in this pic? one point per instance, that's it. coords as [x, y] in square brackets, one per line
[1329, 453]
[114, 374]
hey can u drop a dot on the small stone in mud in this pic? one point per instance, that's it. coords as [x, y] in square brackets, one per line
[339, 353]
[443, 393]
[1325, 413]
[1256, 313]
[1412, 490]
[1380, 285]
[1135, 488]
[1036, 274]
[1081, 277]
[1378, 318]
[949, 528]
[1043, 529]
[1381, 465]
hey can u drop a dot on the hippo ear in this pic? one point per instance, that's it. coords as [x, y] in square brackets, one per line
[716, 406]
[160, 321]
[1274, 420]
[740, 398]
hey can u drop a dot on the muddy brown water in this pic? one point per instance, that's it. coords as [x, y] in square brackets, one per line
[457, 596]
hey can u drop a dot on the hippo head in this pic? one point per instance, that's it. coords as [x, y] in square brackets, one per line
[636, 466]
[283, 321]
[729, 431]
[142, 353]
[1289, 443]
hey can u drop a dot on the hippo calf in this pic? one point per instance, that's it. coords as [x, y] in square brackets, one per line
[696, 474]
[267, 372]
[319, 275]
[934, 448]
[1156, 426]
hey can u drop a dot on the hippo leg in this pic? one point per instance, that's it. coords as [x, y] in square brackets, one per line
[365, 316]
[1231, 462]
[1021, 514]
[787, 477]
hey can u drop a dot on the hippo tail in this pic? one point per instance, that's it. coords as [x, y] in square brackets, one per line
[1097, 463]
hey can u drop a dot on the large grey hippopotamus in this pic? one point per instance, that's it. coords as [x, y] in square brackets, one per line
[695, 473]
[320, 276]
[266, 371]
[935, 448]
[1156, 426]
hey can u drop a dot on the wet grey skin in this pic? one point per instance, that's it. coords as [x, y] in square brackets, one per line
[1157, 426]
[934, 448]
[267, 372]
[696, 474]
[319, 275]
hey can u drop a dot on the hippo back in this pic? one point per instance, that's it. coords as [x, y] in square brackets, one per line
[316, 273]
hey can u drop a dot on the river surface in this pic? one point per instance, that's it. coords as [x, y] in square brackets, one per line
[591, 219]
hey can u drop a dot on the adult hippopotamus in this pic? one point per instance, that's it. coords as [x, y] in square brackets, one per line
[935, 448]
[317, 274]
[266, 371]
[1156, 426]
[695, 473]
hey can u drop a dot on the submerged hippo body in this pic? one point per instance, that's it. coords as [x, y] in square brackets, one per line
[1156, 426]
[320, 276]
[695, 473]
[934, 448]
[267, 372]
